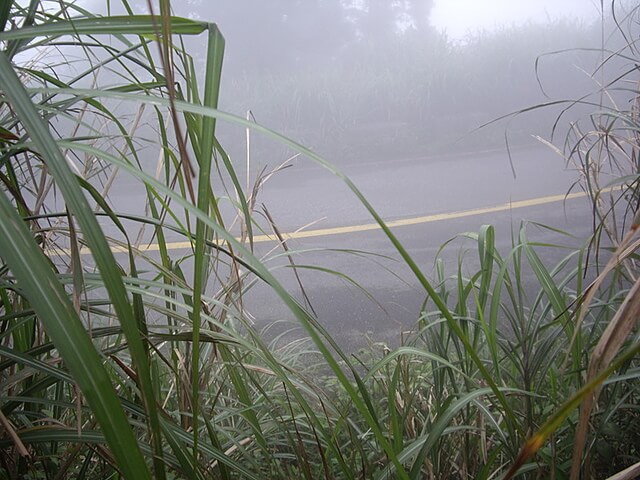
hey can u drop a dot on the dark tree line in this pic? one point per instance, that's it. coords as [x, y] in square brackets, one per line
[283, 33]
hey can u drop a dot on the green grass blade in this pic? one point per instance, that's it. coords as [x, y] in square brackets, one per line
[536, 441]
[486, 251]
[213, 73]
[54, 309]
[5, 10]
[546, 280]
[115, 25]
[103, 256]
[29, 18]
[259, 269]
[407, 258]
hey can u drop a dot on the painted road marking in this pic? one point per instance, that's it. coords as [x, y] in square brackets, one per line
[439, 217]
[323, 232]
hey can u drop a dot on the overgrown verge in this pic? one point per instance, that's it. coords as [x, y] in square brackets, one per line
[417, 94]
[122, 360]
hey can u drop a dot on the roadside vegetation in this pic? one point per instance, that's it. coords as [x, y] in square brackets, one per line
[120, 361]
[419, 93]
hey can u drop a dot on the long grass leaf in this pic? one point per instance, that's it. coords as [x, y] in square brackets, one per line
[54, 309]
[533, 445]
[5, 10]
[546, 281]
[309, 324]
[78, 205]
[413, 266]
[130, 24]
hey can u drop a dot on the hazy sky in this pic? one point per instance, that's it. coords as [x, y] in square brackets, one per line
[458, 17]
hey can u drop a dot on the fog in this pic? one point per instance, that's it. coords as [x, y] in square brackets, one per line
[356, 79]
[407, 98]
[219, 285]
[416, 102]
[462, 17]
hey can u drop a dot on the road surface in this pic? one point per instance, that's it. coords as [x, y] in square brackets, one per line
[430, 201]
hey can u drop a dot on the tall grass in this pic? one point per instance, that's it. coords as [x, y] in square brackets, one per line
[119, 361]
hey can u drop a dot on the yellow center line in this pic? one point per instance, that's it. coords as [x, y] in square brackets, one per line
[323, 232]
[439, 217]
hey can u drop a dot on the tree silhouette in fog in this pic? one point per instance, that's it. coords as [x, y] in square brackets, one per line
[380, 20]
[286, 33]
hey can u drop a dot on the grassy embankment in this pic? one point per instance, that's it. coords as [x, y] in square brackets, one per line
[415, 94]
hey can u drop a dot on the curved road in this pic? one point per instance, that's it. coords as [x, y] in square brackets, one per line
[428, 201]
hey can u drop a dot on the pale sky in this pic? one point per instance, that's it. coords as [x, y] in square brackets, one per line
[458, 17]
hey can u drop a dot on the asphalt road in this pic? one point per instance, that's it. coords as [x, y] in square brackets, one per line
[430, 200]
[413, 187]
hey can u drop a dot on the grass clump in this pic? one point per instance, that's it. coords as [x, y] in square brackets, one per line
[117, 361]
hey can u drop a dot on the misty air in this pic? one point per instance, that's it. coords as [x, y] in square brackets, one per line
[338, 239]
